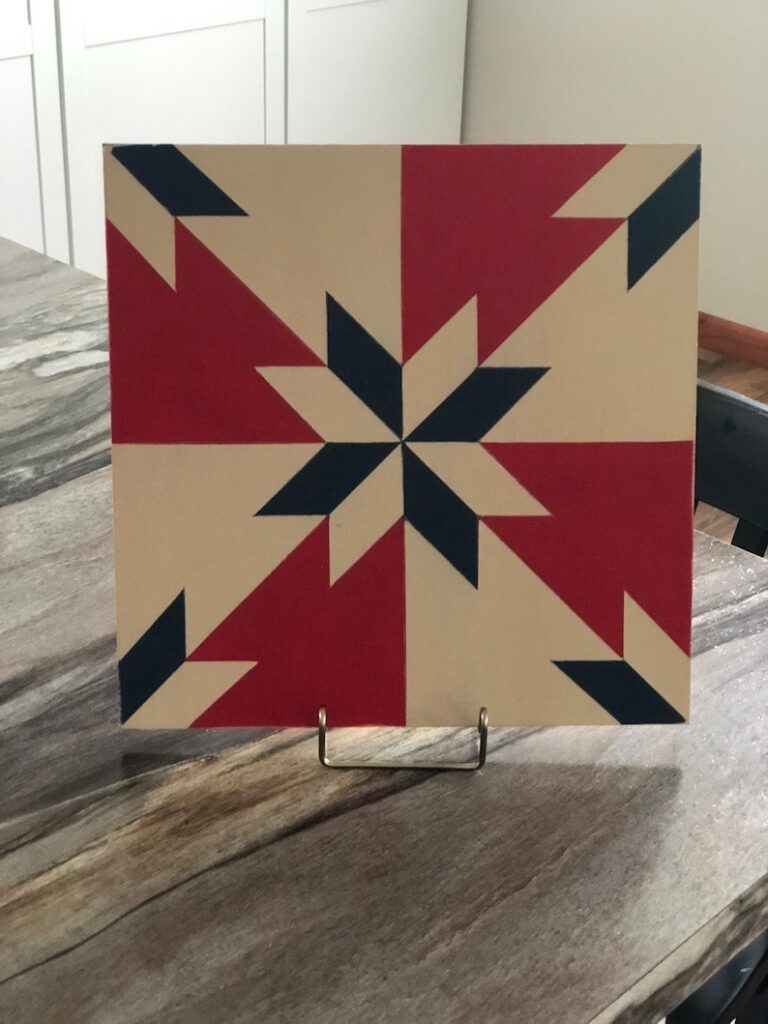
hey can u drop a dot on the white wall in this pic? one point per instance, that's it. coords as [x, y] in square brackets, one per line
[642, 71]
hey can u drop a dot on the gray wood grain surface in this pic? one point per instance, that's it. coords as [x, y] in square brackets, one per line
[586, 875]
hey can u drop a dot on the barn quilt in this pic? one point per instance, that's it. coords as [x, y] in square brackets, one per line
[402, 431]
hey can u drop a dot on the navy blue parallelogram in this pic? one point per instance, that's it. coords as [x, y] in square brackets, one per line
[622, 691]
[153, 658]
[440, 516]
[663, 218]
[365, 366]
[477, 404]
[175, 182]
[327, 479]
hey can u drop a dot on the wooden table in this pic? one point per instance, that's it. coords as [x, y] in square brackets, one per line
[585, 875]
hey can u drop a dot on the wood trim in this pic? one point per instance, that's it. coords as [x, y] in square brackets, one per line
[732, 339]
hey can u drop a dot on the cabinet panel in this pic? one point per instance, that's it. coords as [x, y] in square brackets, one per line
[21, 212]
[375, 70]
[163, 72]
[32, 186]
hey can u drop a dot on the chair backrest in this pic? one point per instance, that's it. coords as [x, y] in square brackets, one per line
[732, 461]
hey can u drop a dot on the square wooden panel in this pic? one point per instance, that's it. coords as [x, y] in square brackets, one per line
[403, 431]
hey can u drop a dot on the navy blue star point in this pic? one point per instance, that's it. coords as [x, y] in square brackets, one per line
[440, 516]
[365, 366]
[327, 479]
[477, 404]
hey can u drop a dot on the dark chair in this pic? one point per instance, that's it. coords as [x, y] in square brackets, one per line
[737, 992]
[732, 475]
[732, 461]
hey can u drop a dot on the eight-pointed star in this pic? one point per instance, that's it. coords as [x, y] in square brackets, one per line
[415, 428]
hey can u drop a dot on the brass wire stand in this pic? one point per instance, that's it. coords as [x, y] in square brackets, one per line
[433, 766]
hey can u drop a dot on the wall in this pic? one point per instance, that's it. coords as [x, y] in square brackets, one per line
[642, 71]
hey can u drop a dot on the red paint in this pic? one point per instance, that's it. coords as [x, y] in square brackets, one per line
[477, 220]
[183, 361]
[622, 519]
[341, 646]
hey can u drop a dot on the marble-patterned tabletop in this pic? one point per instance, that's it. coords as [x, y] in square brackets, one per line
[585, 875]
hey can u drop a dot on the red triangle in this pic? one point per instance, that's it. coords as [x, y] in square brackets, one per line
[477, 220]
[342, 647]
[183, 361]
[622, 519]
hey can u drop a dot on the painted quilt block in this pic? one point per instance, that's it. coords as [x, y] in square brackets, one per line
[403, 431]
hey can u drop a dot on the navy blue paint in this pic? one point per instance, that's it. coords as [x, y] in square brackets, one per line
[621, 691]
[477, 404]
[365, 366]
[153, 658]
[175, 182]
[440, 516]
[663, 217]
[327, 479]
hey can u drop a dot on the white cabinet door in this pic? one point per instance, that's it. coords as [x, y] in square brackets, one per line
[181, 71]
[33, 209]
[375, 70]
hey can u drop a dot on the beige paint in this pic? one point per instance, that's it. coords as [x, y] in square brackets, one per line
[625, 181]
[184, 519]
[478, 479]
[693, 71]
[190, 691]
[656, 658]
[493, 645]
[321, 219]
[327, 404]
[623, 363]
[144, 222]
[437, 369]
[366, 515]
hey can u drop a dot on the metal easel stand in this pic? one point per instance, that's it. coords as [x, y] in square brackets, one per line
[434, 766]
